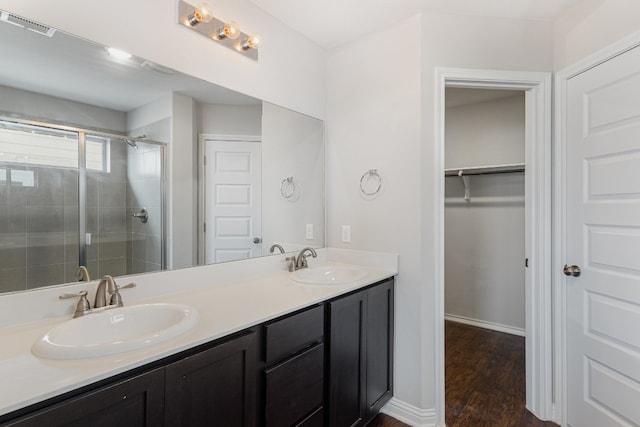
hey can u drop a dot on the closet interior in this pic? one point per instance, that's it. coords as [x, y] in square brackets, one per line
[485, 208]
[484, 237]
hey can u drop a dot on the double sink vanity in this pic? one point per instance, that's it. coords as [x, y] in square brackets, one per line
[268, 340]
[235, 344]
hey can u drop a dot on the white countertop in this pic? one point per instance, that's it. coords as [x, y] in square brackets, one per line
[223, 308]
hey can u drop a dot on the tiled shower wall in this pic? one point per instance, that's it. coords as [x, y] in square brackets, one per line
[39, 224]
[37, 220]
[106, 215]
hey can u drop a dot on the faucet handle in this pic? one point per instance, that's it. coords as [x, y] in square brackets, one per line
[83, 305]
[292, 262]
[116, 298]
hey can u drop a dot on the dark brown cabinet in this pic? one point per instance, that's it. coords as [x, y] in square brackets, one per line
[135, 402]
[327, 365]
[294, 372]
[360, 355]
[214, 387]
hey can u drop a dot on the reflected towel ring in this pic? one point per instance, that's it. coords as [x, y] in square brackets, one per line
[371, 175]
[287, 187]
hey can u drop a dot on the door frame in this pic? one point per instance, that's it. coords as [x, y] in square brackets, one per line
[539, 310]
[202, 186]
[560, 208]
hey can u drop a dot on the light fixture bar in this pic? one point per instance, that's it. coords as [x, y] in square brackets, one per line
[212, 29]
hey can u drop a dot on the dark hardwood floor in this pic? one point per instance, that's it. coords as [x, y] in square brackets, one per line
[382, 420]
[485, 379]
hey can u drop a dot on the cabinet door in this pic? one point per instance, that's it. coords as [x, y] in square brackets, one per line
[294, 388]
[137, 401]
[216, 387]
[379, 346]
[347, 361]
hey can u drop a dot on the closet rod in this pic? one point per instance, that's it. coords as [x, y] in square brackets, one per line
[485, 170]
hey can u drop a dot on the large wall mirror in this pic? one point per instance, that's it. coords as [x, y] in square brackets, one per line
[126, 166]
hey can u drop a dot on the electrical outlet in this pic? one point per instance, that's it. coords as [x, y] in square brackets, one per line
[309, 232]
[346, 234]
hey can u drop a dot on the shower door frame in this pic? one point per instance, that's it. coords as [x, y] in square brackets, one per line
[82, 179]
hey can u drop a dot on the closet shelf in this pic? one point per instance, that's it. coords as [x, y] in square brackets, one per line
[485, 170]
[464, 173]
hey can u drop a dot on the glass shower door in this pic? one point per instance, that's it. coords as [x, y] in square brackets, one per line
[71, 198]
[145, 207]
[38, 206]
[124, 215]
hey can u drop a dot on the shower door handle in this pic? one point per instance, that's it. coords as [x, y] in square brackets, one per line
[143, 216]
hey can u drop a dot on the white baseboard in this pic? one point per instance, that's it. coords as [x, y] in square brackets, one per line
[486, 325]
[410, 414]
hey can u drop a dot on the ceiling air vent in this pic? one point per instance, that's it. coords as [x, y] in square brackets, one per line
[27, 24]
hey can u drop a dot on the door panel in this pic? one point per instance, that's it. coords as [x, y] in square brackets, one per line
[232, 200]
[603, 238]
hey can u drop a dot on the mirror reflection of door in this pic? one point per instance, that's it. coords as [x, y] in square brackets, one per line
[232, 199]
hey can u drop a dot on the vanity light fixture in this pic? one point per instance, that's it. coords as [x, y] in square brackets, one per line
[201, 14]
[252, 42]
[227, 33]
[229, 30]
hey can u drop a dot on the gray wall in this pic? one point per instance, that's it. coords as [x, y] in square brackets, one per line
[35, 106]
[292, 146]
[485, 237]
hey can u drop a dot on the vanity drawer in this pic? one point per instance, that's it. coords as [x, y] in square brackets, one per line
[292, 334]
[294, 388]
[314, 420]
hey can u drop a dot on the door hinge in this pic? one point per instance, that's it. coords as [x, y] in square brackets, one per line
[526, 262]
[204, 227]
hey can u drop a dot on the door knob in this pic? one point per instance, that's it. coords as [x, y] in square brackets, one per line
[257, 240]
[572, 270]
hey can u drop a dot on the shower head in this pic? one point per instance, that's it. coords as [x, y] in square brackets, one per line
[132, 143]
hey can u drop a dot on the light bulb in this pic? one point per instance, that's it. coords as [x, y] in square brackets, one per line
[230, 30]
[201, 14]
[253, 42]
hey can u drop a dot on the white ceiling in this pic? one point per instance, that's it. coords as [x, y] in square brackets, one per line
[330, 23]
[68, 67]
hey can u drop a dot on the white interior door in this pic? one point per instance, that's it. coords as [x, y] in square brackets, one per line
[232, 200]
[603, 239]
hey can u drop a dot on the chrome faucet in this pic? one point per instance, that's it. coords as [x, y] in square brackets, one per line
[107, 288]
[82, 274]
[274, 247]
[301, 260]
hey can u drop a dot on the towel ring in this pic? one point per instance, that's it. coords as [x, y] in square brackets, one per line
[370, 175]
[287, 187]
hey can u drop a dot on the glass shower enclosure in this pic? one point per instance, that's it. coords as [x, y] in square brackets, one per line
[72, 197]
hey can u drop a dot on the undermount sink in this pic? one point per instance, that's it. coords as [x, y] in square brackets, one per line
[329, 274]
[115, 330]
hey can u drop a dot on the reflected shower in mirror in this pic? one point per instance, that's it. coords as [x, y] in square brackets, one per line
[143, 119]
[66, 199]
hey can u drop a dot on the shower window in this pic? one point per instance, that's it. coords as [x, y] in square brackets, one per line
[37, 145]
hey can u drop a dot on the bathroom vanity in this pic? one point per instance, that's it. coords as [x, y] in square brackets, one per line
[327, 362]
